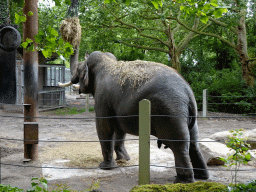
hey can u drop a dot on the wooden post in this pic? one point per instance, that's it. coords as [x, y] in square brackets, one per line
[30, 29]
[144, 143]
[204, 102]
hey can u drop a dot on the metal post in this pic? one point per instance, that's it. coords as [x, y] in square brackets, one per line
[204, 102]
[144, 143]
[0, 165]
[87, 104]
[30, 29]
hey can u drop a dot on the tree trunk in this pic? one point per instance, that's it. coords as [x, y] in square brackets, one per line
[242, 50]
[175, 60]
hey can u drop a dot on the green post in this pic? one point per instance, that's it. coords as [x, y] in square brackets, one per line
[144, 143]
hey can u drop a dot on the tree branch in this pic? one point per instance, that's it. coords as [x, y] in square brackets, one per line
[143, 47]
[203, 33]
[143, 35]
[184, 43]
[223, 25]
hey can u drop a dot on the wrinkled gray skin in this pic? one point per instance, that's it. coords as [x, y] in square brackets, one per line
[169, 94]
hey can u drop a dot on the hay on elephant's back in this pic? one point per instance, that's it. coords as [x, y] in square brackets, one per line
[71, 31]
[135, 71]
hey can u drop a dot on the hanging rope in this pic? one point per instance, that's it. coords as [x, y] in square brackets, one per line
[73, 9]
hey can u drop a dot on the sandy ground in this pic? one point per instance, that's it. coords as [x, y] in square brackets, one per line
[81, 127]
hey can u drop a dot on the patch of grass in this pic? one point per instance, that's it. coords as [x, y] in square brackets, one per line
[61, 187]
[71, 111]
[197, 186]
[7, 188]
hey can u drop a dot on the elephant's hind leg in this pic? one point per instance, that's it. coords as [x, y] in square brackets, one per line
[177, 129]
[106, 132]
[183, 165]
[198, 162]
[119, 147]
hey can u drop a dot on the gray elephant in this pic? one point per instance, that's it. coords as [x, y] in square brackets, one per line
[119, 86]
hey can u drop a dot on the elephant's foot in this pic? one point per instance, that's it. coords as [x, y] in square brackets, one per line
[184, 179]
[122, 155]
[108, 165]
[201, 174]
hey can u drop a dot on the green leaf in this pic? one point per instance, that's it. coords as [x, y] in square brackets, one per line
[30, 13]
[39, 37]
[57, 2]
[43, 181]
[46, 53]
[204, 19]
[155, 4]
[31, 48]
[248, 156]
[34, 184]
[182, 7]
[106, 1]
[68, 2]
[54, 32]
[20, 3]
[214, 3]
[38, 188]
[207, 7]
[19, 18]
[24, 45]
[127, 2]
[218, 12]
[29, 40]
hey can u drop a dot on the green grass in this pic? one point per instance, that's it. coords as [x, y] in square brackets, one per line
[71, 111]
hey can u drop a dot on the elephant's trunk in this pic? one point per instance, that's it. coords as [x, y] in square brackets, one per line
[74, 61]
[73, 69]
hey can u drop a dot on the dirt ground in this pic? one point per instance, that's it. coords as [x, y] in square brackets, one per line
[82, 127]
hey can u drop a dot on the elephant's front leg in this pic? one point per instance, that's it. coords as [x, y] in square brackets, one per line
[106, 132]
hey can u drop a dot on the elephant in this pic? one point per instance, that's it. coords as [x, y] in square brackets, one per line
[119, 86]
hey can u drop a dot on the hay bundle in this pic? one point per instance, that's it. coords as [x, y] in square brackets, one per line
[135, 71]
[71, 31]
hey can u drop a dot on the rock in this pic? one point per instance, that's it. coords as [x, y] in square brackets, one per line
[253, 157]
[253, 154]
[251, 135]
[213, 150]
[223, 136]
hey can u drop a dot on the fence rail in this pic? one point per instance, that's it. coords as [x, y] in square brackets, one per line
[205, 102]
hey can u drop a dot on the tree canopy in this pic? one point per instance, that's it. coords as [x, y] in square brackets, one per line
[211, 43]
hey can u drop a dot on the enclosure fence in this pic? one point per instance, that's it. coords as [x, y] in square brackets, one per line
[144, 142]
[231, 103]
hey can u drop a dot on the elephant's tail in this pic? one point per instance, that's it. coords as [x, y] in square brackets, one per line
[192, 114]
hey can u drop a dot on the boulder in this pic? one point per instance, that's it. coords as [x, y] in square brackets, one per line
[251, 135]
[212, 150]
[223, 136]
[253, 154]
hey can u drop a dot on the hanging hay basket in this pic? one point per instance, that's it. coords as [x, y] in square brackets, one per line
[71, 31]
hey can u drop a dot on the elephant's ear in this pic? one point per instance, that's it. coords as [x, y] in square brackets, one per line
[86, 76]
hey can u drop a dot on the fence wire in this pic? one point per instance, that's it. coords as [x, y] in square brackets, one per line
[110, 117]
[124, 166]
[116, 140]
